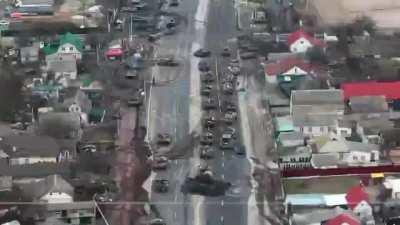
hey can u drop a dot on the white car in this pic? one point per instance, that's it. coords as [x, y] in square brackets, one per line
[4, 23]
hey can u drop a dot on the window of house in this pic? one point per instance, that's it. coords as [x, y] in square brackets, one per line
[343, 132]
[63, 48]
[363, 157]
[355, 157]
[321, 129]
[310, 129]
[71, 48]
[301, 129]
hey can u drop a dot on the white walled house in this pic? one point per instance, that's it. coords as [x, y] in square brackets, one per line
[286, 70]
[300, 41]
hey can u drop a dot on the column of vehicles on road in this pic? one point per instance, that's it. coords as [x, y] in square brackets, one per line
[211, 103]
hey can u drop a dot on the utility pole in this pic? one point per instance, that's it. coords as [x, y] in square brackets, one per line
[131, 29]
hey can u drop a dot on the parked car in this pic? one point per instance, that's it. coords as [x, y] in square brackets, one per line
[248, 55]
[226, 52]
[207, 152]
[137, 98]
[209, 122]
[229, 106]
[169, 61]
[207, 77]
[230, 117]
[128, 9]
[88, 148]
[206, 90]
[235, 70]
[231, 131]
[239, 149]
[226, 142]
[209, 104]
[164, 139]
[157, 221]
[160, 163]
[131, 74]
[207, 138]
[202, 53]
[203, 66]
[174, 3]
[227, 88]
[161, 185]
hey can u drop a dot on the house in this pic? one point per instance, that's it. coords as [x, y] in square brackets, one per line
[67, 44]
[371, 130]
[392, 185]
[294, 157]
[368, 104]
[358, 201]
[29, 149]
[315, 112]
[78, 213]
[287, 70]
[346, 153]
[344, 128]
[29, 54]
[344, 218]
[43, 94]
[290, 139]
[300, 41]
[373, 88]
[64, 71]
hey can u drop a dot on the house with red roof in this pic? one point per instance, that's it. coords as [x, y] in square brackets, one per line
[299, 41]
[358, 201]
[372, 88]
[343, 219]
[287, 70]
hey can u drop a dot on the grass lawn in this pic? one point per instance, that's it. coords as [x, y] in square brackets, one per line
[326, 185]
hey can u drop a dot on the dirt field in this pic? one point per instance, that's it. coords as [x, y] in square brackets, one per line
[386, 13]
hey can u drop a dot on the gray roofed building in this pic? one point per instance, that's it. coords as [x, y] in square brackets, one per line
[62, 66]
[290, 139]
[318, 97]
[342, 146]
[315, 108]
[37, 188]
[29, 146]
[327, 160]
[368, 104]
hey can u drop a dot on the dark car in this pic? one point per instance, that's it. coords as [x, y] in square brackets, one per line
[160, 163]
[206, 152]
[161, 185]
[209, 122]
[157, 221]
[164, 139]
[248, 55]
[235, 70]
[239, 149]
[203, 66]
[226, 52]
[137, 98]
[207, 138]
[205, 184]
[229, 106]
[226, 142]
[206, 90]
[131, 74]
[202, 53]
[207, 77]
[227, 88]
[128, 9]
[230, 117]
[167, 62]
[209, 104]
[174, 3]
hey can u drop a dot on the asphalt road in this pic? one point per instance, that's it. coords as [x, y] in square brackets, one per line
[173, 109]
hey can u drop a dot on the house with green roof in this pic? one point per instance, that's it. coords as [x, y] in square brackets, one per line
[67, 44]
